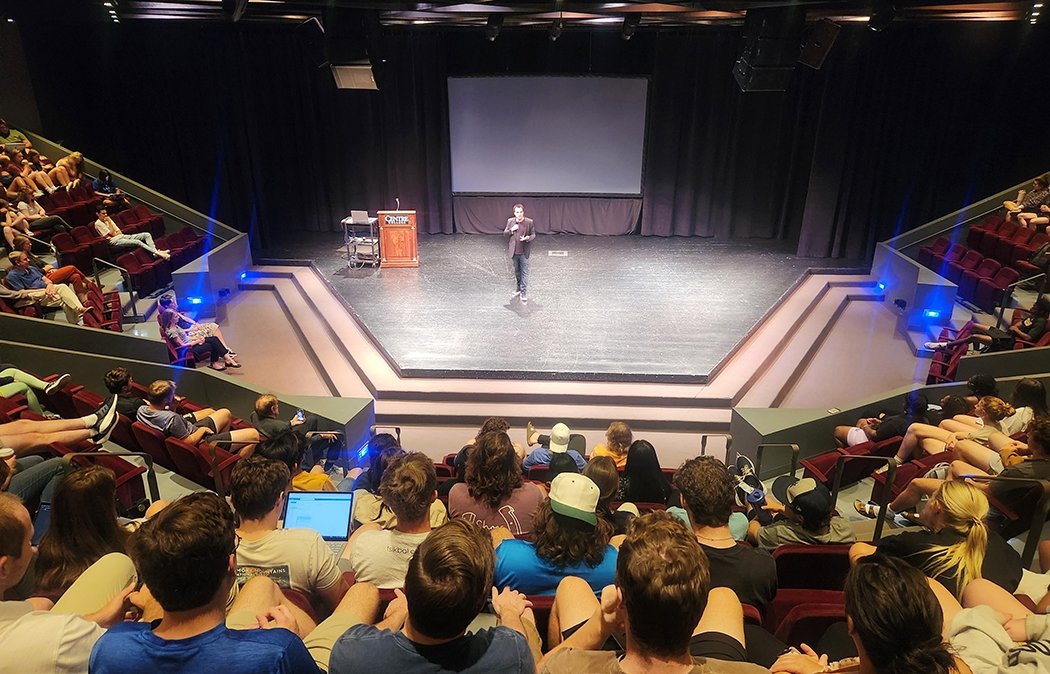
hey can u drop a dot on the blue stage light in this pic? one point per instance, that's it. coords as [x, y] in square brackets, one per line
[931, 313]
[194, 300]
[244, 275]
[880, 285]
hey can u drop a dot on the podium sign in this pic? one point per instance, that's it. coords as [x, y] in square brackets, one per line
[397, 239]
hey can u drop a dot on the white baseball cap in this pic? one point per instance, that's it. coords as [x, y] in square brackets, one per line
[574, 495]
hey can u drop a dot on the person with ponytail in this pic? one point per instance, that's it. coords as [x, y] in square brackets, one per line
[926, 439]
[895, 619]
[956, 546]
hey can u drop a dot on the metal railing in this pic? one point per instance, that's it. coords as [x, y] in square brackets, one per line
[705, 436]
[127, 280]
[761, 448]
[1042, 507]
[1008, 292]
[949, 227]
[884, 498]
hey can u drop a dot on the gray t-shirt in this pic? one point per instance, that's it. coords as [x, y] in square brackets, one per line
[167, 422]
[783, 533]
[381, 557]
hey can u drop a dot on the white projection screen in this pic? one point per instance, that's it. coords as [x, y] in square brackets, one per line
[547, 135]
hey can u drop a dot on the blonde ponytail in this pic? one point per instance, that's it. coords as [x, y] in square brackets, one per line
[963, 509]
[996, 409]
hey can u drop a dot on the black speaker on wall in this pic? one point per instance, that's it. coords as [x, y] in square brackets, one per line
[771, 48]
[819, 41]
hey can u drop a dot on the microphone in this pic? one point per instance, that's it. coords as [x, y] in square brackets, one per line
[398, 203]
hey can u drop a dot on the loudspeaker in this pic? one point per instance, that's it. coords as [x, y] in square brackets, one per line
[818, 43]
[351, 47]
[758, 78]
[354, 76]
[771, 48]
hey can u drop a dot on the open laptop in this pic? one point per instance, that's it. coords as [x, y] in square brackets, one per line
[359, 218]
[326, 512]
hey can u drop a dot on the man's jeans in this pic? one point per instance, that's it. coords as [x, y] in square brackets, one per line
[521, 271]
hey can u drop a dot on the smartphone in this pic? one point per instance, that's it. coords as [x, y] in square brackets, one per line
[300, 416]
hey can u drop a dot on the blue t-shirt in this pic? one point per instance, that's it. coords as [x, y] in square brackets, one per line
[363, 648]
[542, 456]
[520, 568]
[130, 648]
[29, 278]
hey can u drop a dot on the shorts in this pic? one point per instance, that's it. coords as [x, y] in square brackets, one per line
[717, 646]
[856, 436]
[221, 438]
[995, 466]
[206, 422]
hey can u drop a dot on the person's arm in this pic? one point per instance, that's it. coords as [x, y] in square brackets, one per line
[395, 614]
[606, 620]
[860, 550]
[513, 611]
[197, 435]
[114, 609]
[511, 227]
[531, 232]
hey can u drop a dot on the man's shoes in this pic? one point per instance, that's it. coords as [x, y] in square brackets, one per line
[106, 422]
[934, 346]
[57, 384]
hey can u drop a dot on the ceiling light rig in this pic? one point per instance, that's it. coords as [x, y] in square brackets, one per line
[1037, 10]
[630, 25]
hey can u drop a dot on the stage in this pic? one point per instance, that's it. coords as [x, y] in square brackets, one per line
[625, 308]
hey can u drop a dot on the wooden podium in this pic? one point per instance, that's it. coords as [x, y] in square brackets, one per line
[397, 239]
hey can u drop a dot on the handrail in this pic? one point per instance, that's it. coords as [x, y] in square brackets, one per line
[884, 499]
[127, 278]
[1038, 518]
[151, 473]
[952, 226]
[758, 455]
[705, 436]
[1008, 292]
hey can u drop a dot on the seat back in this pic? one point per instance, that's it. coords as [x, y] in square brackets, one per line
[64, 242]
[84, 234]
[987, 267]
[806, 623]
[187, 461]
[970, 260]
[152, 442]
[817, 567]
[1004, 277]
[954, 253]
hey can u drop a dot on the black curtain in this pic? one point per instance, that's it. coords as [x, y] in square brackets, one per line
[243, 121]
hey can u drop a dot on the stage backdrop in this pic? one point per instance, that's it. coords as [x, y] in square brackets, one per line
[243, 122]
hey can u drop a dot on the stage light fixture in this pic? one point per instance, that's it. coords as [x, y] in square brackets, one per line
[880, 285]
[194, 300]
[931, 313]
[630, 25]
[882, 15]
[555, 31]
[493, 26]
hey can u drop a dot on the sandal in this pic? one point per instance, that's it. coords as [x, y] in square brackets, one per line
[868, 509]
[218, 367]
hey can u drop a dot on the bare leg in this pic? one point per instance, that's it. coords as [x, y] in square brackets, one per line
[974, 454]
[50, 426]
[983, 592]
[26, 442]
[961, 422]
[961, 469]
[949, 605]
[222, 419]
[723, 614]
[244, 441]
[931, 446]
[840, 435]
[574, 604]
[913, 493]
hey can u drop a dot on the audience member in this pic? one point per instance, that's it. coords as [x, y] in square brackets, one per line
[9, 136]
[191, 634]
[569, 540]
[31, 172]
[14, 223]
[287, 447]
[66, 274]
[805, 510]
[268, 422]
[381, 448]
[495, 494]
[36, 636]
[207, 424]
[448, 582]
[618, 439]
[108, 230]
[118, 383]
[83, 529]
[956, 546]
[33, 479]
[25, 435]
[37, 217]
[707, 496]
[68, 170]
[663, 600]
[950, 406]
[1026, 206]
[996, 634]
[1028, 401]
[925, 439]
[18, 382]
[882, 427]
[297, 559]
[990, 338]
[112, 197]
[560, 463]
[979, 386]
[32, 287]
[556, 443]
[194, 329]
[602, 471]
[643, 481]
[895, 620]
[380, 556]
[201, 347]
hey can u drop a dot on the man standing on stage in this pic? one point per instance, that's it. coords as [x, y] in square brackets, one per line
[522, 231]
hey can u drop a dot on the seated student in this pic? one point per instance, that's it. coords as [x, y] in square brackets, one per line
[924, 439]
[25, 435]
[495, 494]
[118, 383]
[618, 439]
[33, 286]
[287, 447]
[108, 230]
[707, 495]
[297, 559]
[31, 478]
[14, 382]
[1028, 401]
[448, 582]
[194, 330]
[39, 636]
[602, 471]
[380, 445]
[68, 274]
[37, 217]
[207, 424]
[557, 442]
[380, 556]
[11, 136]
[268, 422]
[201, 347]
[191, 634]
[991, 338]
[877, 429]
[663, 599]
[569, 540]
[805, 508]
[996, 633]
[112, 197]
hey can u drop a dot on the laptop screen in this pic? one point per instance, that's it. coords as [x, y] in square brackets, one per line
[326, 512]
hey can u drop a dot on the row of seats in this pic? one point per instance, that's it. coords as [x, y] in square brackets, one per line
[83, 244]
[149, 274]
[108, 311]
[981, 280]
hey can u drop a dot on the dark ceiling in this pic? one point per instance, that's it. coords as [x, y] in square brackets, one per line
[574, 14]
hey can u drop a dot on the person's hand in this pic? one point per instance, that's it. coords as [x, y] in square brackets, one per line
[277, 616]
[804, 662]
[397, 610]
[509, 602]
[1015, 627]
[1044, 208]
[331, 437]
[773, 506]
[114, 610]
[51, 292]
[148, 607]
[195, 342]
[514, 227]
[612, 610]
[48, 269]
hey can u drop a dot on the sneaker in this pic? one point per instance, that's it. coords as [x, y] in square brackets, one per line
[57, 384]
[934, 346]
[48, 414]
[102, 436]
[38, 194]
[107, 417]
